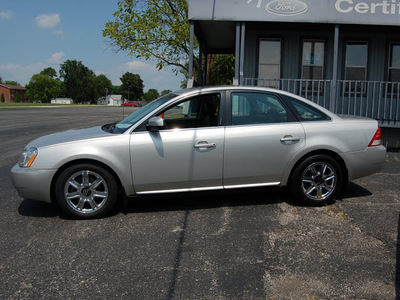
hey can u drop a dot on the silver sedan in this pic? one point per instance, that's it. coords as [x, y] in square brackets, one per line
[202, 139]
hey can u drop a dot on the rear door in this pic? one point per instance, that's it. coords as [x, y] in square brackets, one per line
[262, 137]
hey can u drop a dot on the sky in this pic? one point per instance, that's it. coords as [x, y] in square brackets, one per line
[36, 34]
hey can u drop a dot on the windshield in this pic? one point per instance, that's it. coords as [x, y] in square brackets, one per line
[137, 115]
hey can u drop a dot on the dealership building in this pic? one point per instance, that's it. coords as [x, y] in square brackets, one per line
[341, 54]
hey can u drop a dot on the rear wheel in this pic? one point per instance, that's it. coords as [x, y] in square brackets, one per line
[317, 180]
[86, 191]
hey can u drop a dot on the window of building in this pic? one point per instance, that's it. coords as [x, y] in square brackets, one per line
[394, 62]
[313, 59]
[269, 61]
[356, 61]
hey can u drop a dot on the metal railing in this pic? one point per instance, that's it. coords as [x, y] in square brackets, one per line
[379, 100]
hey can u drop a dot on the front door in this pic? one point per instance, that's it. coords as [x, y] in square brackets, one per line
[186, 155]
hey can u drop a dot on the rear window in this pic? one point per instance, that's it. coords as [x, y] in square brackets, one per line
[305, 112]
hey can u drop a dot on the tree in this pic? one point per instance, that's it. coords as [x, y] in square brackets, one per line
[43, 88]
[153, 30]
[132, 86]
[159, 30]
[12, 82]
[164, 92]
[151, 94]
[49, 72]
[78, 80]
[2, 99]
[102, 86]
[1, 80]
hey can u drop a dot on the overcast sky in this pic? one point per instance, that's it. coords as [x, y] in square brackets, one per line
[35, 34]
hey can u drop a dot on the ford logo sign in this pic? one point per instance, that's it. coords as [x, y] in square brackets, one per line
[286, 7]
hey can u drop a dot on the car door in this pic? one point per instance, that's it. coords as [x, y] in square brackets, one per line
[260, 141]
[185, 155]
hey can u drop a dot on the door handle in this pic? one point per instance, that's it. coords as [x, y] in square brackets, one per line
[289, 139]
[203, 145]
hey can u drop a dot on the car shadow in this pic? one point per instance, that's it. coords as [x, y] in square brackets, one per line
[206, 200]
[38, 209]
[354, 190]
[190, 201]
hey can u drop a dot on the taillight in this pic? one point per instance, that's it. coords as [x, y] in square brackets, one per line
[377, 139]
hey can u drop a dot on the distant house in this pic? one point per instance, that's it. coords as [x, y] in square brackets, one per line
[13, 93]
[62, 101]
[115, 100]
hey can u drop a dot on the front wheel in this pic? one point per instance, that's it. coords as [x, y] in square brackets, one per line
[316, 180]
[86, 191]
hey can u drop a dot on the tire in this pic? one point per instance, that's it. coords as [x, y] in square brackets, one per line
[86, 191]
[316, 180]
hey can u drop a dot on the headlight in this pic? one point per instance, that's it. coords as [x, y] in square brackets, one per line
[27, 157]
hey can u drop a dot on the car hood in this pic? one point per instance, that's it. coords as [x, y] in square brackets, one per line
[69, 136]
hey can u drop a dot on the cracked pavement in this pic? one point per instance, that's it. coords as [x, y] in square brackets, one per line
[245, 244]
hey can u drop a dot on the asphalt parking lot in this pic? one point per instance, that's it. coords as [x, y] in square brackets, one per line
[253, 244]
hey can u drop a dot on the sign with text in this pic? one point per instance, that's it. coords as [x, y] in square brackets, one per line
[373, 12]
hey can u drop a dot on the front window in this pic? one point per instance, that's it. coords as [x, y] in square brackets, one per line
[200, 111]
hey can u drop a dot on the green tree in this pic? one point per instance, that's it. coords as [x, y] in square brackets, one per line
[43, 88]
[78, 80]
[18, 98]
[222, 69]
[1, 80]
[132, 86]
[2, 99]
[102, 86]
[164, 92]
[12, 82]
[151, 94]
[153, 30]
[159, 30]
[49, 72]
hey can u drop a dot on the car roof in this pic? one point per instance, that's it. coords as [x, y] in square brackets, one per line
[196, 90]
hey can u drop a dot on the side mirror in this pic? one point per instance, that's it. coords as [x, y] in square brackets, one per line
[155, 124]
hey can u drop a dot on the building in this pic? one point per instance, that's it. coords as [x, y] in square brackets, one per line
[341, 54]
[112, 100]
[12, 93]
[62, 101]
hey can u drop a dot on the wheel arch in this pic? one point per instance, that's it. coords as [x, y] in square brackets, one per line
[83, 161]
[332, 154]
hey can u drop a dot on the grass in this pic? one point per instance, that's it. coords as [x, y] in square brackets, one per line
[6, 105]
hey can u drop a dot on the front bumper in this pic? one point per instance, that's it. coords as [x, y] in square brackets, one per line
[34, 184]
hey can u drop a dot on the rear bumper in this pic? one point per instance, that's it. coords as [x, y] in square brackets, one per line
[365, 163]
[32, 183]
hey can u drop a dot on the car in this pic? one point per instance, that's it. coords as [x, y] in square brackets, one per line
[132, 103]
[202, 139]
[129, 103]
